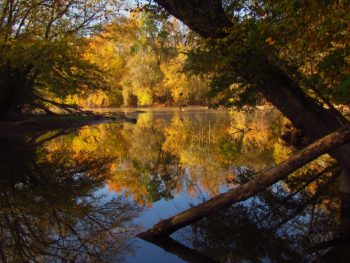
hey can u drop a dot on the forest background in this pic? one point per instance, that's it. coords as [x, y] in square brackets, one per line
[94, 54]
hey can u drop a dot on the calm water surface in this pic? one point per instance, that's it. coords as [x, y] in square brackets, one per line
[83, 195]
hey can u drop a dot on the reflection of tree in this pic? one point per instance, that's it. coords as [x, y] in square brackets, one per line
[256, 133]
[193, 152]
[51, 207]
[160, 157]
[193, 141]
[146, 171]
[277, 225]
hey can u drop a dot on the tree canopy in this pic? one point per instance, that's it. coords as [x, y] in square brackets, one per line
[41, 48]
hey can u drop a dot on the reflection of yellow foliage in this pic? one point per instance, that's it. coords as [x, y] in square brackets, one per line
[137, 150]
[145, 119]
[186, 148]
[132, 185]
[255, 127]
[280, 151]
[253, 130]
[176, 135]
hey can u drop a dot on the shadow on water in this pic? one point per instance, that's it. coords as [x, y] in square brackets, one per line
[51, 208]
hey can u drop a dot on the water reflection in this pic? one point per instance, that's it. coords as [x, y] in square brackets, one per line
[164, 155]
[275, 226]
[50, 209]
[76, 197]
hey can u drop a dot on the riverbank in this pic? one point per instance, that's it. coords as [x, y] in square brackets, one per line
[31, 124]
[22, 125]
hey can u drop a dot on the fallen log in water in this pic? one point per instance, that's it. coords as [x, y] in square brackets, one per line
[251, 188]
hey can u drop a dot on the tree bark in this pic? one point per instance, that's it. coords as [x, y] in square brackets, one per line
[305, 113]
[200, 16]
[16, 86]
[251, 188]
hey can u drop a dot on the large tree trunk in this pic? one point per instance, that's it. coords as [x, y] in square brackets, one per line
[314, 120]
[204, 17]
[16, 87]
[251, 188]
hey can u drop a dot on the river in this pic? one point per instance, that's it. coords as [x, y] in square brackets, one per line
[82, 195]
